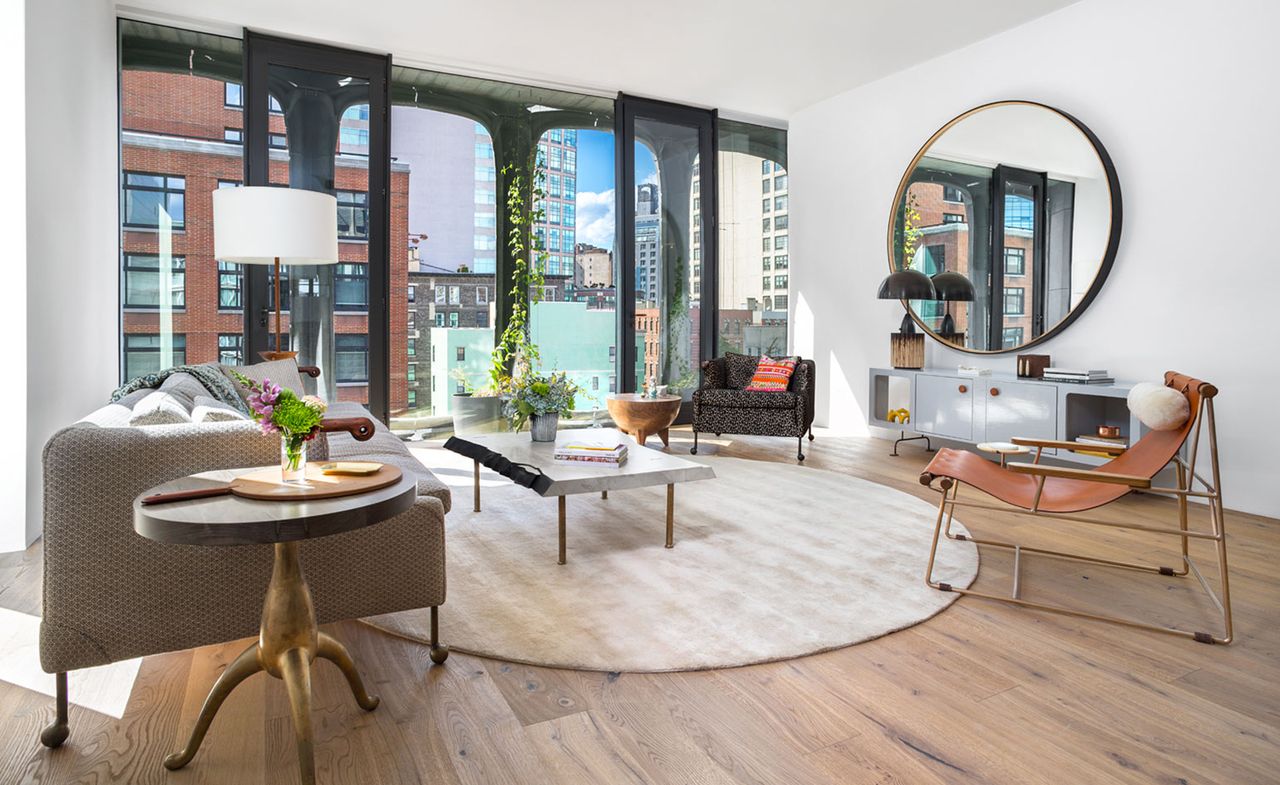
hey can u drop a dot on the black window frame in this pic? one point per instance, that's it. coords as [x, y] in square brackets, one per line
[229, 271]
[127, 351]
[339, 352]
[165, 189]
[357, 203]
[238, 359]
[342, 275]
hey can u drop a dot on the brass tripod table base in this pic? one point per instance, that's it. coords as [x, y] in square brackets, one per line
[287, 645]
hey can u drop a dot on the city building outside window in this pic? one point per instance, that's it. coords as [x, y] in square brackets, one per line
[780, 183]
[780, 302]
[147, 195]
[1012, 336]
[142, 279]
[142, 354]
[352, 358]
[766, 205]
[1014, 301]
[233, 95]
[780, 282]
[353, 215]
[412, 348]
[277, 141]
[1015, 261]
[765, 264]
[952, 194]
[482, 295]
[765, 284]
[462, 354]
[952, 218]
[440, 294]
[453, 319]
[411, 372]
[231, 349]
[233, 135]
[781, 222]
[781, 262]
[455, 295]
[230, 278]
[482, 318]
[767, 225]
[780, 242]
[439, 321]
[780, 202]
[351, 287]
[412, 293]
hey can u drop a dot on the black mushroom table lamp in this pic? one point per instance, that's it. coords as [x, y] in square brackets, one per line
[906, 347]
[952, 287]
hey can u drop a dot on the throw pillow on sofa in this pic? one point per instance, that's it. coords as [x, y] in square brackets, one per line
[281, 372]
[772, 375]
[739, 368]
[208, 409]
[160, 408]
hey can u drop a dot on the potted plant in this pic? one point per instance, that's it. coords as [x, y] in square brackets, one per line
[474, 411]
[541, 401]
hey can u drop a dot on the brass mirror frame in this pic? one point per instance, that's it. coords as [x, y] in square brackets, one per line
[1108, 256]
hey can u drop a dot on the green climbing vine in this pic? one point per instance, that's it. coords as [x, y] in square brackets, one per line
[516, 352]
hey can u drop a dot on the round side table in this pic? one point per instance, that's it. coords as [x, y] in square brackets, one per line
[1004, 450]
[642, 417]
[288, 641]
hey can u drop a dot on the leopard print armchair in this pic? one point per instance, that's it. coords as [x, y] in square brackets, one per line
[722, 405]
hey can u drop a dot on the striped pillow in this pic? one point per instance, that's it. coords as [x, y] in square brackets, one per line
[772, 375]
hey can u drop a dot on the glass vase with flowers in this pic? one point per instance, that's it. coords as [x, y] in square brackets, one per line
[295, 418]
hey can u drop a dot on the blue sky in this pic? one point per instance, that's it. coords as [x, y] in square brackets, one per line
[596, 185]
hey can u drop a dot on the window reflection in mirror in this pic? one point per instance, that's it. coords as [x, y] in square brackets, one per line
[1014, 197]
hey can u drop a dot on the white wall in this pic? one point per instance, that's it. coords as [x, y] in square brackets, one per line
[1184, 96]
[72, 240]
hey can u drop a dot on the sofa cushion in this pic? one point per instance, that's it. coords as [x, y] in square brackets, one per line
[160, 408]
[739, 368]
[747, 399]
[281, 372]
[186, 388]
[772, 375]
[208, 409]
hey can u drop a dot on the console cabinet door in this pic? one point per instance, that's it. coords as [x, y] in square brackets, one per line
[1024, 409]
[944, 406]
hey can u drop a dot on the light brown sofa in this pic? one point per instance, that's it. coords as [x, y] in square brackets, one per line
[110, 594]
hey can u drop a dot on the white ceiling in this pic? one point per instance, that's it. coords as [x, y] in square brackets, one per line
[749, 58]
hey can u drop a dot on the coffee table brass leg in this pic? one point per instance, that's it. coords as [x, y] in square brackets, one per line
[562, 504]
[477, 486]
[295, 669]
[240, 669]
[671, 515]
[335, 652]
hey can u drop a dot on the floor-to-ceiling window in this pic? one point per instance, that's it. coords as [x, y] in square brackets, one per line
[456, 145]
[181, 124]
[455, 136]
[754, 223]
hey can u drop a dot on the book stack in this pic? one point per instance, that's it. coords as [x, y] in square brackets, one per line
[603, 447]
[1078, 376]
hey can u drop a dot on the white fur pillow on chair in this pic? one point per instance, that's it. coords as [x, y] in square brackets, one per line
[1158, 407]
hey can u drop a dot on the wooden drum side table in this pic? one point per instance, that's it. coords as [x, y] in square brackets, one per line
[643, 417]
[288, 641]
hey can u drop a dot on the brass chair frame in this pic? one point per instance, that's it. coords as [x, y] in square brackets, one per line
[1187, 477]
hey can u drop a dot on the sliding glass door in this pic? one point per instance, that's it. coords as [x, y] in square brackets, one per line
[316, 119]
[667, 169]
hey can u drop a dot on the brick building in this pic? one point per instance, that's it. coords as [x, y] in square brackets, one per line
[181, 139]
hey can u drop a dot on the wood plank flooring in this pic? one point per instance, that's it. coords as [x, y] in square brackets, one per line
[982, 694]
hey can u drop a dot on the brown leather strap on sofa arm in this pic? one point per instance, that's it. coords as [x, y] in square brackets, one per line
[310, 370]
[359, 427]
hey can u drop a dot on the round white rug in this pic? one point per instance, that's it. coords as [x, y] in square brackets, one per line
[771, 561]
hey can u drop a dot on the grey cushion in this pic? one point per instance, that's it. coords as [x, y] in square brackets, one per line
[282, 372]
[208, 409]
[186, 388]
[160, 408]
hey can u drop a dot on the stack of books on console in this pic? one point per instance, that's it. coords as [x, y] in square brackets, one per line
[1108, 441]
[1077, 376]
[591, 446]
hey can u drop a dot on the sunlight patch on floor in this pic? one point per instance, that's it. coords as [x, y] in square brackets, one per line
[104, 689]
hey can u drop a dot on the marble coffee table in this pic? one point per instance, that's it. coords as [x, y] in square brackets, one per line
[530, 463]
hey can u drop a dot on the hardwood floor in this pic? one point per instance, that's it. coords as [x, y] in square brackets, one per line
[983, 693]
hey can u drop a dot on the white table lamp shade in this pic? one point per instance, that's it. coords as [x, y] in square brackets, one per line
[258, 224]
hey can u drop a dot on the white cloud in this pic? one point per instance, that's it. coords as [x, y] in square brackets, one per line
[596, 218]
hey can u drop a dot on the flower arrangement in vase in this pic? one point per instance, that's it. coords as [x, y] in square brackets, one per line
[296, 419]
[541, 401]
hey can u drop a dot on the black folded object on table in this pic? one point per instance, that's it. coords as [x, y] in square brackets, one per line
[519, 473]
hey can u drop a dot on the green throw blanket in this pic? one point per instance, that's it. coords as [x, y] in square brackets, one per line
[208, 374]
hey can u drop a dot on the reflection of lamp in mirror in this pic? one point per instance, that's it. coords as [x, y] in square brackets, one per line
[952, 287]
[906, 347]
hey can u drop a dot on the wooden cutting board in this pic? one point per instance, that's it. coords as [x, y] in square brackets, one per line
[265, 485]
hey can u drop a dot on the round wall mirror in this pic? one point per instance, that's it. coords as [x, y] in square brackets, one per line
[1013, 209]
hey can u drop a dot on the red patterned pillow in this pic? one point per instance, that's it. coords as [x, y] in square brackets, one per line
[772, 375]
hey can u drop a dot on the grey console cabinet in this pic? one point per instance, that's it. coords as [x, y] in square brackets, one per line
[971, 409]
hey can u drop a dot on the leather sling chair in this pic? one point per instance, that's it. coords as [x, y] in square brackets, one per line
[1061, 494]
